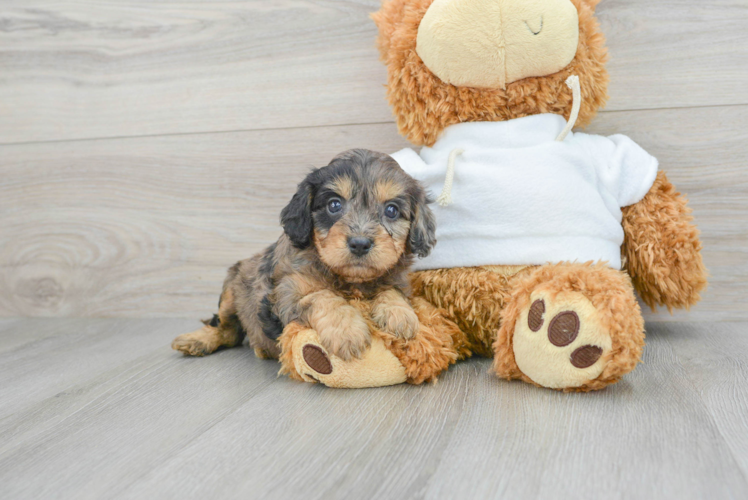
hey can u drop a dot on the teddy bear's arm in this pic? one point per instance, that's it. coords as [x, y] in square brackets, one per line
[661, 248]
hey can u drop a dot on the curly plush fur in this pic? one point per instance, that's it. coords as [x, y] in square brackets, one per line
[424, 105]
[439, 344]
[661, 248]
[472, 297]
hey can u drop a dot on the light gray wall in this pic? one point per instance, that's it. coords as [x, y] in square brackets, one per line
[146, 146]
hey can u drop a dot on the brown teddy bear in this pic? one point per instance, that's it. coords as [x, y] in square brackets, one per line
[543, 234]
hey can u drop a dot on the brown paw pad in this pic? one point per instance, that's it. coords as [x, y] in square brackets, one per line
[535, 316]
[564, 328]
[586, 356]
[317, 360]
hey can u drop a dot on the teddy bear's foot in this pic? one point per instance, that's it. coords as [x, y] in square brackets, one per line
[390, 360]
[570, 327]
[305, 359]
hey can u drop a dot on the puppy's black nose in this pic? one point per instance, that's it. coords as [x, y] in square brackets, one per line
[359, 245]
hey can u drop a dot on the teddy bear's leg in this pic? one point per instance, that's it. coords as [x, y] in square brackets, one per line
[574, 327]
[390, 360]
[472, 297]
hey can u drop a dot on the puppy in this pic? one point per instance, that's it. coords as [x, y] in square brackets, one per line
[350, 232]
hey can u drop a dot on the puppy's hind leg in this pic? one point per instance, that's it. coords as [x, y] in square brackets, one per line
[223, 330]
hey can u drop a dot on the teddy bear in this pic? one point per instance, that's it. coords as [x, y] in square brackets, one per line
[543, 233]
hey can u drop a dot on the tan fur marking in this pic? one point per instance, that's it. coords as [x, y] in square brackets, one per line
[333, 251]
[386, 250]
[227, 309]
[333, 246]
[342, 186]
[393, 314]
[304, 285]
[387, 189]
[286, 355]
[209, 338]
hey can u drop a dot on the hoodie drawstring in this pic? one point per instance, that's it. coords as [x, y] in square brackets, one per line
[573, 83]
[445, 198]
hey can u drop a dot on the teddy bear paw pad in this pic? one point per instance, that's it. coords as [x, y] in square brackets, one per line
[560, 342]
[317, 359]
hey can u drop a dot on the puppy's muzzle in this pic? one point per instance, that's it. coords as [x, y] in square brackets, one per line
[360, 245]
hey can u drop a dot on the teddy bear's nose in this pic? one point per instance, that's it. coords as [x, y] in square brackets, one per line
[492, 43]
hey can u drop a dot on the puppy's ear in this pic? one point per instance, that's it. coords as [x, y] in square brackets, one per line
[422, 237]
[296, 218]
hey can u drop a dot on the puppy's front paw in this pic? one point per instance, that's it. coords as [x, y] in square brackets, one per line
[400, 321]
[344, 333]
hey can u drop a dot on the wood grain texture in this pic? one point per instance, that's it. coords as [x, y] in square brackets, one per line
[146, 227]
[717, 367]
[154, 424]
[87, 69]
[78, 348]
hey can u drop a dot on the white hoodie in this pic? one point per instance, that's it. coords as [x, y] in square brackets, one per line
[521, 197]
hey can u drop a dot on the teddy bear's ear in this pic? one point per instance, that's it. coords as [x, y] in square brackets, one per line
[592, 3]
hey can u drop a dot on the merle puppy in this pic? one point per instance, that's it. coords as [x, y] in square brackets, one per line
[350, 232]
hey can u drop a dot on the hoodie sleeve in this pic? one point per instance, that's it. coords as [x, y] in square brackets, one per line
[409, 161]
[625, 169]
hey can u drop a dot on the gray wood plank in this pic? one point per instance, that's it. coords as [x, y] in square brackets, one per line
[375, 443]
[163, 426]
[146, 227]
[12, 335]
[111, 427]
[130, 68]
[649, 436]
[66, 352]
[716, 363]
[674, 53]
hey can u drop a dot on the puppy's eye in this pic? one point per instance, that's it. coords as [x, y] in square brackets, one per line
[391, 211]
[334, 206]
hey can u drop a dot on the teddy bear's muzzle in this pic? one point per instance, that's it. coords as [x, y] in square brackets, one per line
[492, 43]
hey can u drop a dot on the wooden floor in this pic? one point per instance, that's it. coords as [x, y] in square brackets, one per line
[104, 409]
[147, 146]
